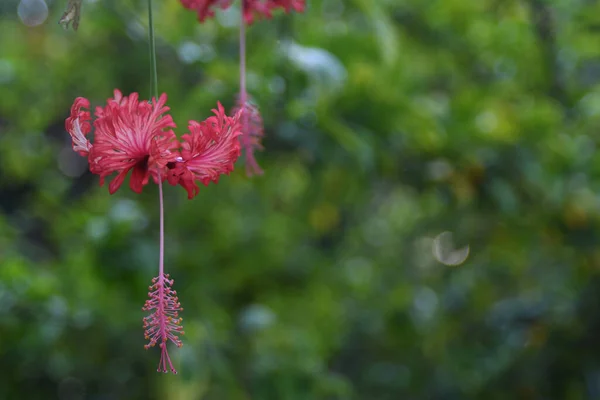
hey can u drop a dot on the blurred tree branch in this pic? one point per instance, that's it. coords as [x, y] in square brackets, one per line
[544, 25]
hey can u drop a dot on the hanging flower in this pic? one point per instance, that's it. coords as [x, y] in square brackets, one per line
[133, 135]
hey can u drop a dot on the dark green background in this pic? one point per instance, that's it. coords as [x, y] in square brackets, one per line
[388, 122]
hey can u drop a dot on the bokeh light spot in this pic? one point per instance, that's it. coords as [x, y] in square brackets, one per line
[32, 12]
[444, 252]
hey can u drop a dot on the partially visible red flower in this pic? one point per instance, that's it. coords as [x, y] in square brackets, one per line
[252, 9]
[208, 151]
[252, 134]
[126, 130]
[256, 8]
[205, 8]
[264, 8]
[78, 126]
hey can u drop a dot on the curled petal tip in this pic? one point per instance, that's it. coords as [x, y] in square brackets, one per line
[118, 95]
[78, 126]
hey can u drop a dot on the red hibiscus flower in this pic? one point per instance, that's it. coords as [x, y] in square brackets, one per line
[134, 135]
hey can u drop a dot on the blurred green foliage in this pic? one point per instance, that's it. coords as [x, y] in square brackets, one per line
[388, 123]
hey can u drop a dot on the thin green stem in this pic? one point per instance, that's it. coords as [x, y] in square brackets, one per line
[152, 41]
[243, 94]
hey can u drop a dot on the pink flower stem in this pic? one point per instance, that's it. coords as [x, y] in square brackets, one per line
[165, 360]
[161, 279]
[161, 245]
